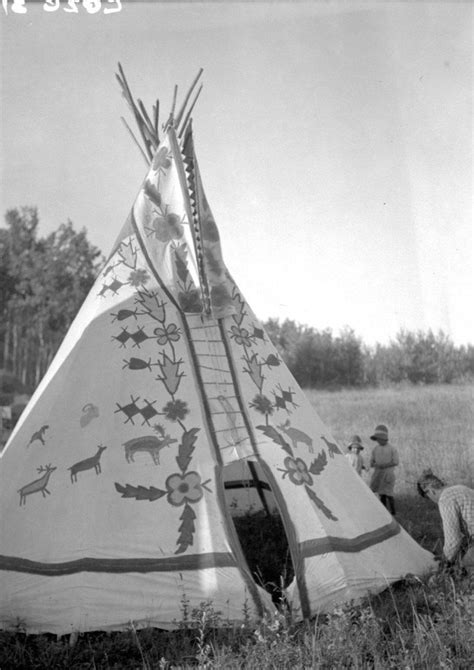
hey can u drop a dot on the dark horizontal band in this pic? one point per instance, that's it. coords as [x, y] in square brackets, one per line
[308, 548]
[325, 545]
[118, 565]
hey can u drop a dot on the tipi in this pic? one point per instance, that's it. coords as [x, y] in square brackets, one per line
[112, 496]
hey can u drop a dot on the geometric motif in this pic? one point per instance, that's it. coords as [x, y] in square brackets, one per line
[131, 410]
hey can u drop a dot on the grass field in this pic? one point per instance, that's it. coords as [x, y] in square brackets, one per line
[413, 625]
[431, 426]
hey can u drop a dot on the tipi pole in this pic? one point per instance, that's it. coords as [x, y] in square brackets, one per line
[135, 140]
[185, 122]
[183, 106]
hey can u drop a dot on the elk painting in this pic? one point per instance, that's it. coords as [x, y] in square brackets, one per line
[150, 444]
[38, 485]
[91, 463]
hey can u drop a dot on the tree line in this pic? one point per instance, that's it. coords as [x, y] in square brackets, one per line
[322, 359]
[44, 280]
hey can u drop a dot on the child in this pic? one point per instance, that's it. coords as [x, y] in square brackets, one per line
[354, 456]
[384, 460]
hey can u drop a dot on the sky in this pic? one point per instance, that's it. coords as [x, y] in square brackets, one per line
[334, 140]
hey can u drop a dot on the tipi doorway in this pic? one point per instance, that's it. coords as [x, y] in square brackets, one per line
[259, 526]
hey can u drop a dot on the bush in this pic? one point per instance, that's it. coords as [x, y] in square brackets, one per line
[10, 385]
[319, 359]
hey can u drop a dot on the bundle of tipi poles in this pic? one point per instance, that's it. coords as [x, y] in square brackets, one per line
[148, 125]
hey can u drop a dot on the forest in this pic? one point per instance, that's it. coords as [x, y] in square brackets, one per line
[44, 280]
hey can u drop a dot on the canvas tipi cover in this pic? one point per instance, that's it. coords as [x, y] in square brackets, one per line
[112, 497]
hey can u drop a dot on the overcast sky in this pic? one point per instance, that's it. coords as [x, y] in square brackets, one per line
[334, 138]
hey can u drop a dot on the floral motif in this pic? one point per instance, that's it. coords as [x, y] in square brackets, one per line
[184, 488]
[167, 334]
[175, 410]
[213, 263]
[262, 404]
[161, 160]
[220, 295]
[138, 277]
[210, 231]
[190, 301]
[297, 471]
[241, 336]
[168, 227]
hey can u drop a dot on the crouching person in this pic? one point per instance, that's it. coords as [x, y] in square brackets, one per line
[456, 507]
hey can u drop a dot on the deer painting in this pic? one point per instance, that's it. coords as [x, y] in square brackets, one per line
[87, 464]
[296, 435]
[149, 443]
[38, 485]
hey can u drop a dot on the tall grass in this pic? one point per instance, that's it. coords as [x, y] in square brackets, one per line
[412, 625]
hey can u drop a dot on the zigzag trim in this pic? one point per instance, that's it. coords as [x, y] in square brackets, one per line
[187, 155]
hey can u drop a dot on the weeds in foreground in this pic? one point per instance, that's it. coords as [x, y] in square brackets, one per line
[413, 624]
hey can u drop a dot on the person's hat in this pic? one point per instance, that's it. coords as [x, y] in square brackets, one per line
[355, 442]
[380, 433]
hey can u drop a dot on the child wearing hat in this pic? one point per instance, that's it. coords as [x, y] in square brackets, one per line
[384, 460]
[354, 456]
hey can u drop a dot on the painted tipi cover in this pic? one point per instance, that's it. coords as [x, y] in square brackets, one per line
[112, 496]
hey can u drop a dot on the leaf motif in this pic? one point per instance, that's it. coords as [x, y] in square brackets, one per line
[254, 369]
[180, 255]
[319, 504]
[171, 376]
[139, 492]
[152, 194]
[186, 448]
[239, 304]
[319, 463]
[274, 435]
[186, 529]
[128, 255]
[152, 304]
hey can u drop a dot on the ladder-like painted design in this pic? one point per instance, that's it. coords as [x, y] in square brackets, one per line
[226, 419]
